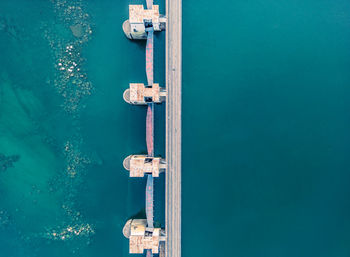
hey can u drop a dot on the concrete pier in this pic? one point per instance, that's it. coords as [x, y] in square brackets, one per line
[139, 21]
[173, 127]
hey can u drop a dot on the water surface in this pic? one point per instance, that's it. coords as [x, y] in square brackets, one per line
[266, 123]
[265, 128]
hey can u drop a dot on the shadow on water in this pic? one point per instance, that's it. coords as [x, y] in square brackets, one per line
[140, 215]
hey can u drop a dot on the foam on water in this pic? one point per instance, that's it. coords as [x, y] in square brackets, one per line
[72, 84]
[67, 40]
[37, 168]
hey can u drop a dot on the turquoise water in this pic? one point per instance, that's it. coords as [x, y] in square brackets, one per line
[65, 129]
[265, 140]
[269, 130]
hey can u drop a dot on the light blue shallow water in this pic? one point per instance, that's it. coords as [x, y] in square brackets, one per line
[65, 128]
[265, 128]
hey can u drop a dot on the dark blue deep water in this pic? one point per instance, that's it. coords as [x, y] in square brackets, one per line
[266, 128]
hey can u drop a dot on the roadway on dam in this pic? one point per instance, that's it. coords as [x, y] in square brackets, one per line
[173, 127]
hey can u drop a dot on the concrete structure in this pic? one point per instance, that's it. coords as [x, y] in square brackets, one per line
[173, 127]
[138, 165]
[141, 25]
[140, 19]
[139, 94]
[142, 238]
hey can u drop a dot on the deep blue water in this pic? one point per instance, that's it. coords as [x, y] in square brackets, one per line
[266, 126]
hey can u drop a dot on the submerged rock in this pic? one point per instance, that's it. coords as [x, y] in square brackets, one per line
[77, 30]
[9, 28]
[7, 161]
[4, 218]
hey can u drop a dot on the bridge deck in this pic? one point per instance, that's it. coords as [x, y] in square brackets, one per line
[149, 130]
[173, 128]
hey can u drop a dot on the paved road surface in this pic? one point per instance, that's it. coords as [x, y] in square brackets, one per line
[173, 127]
